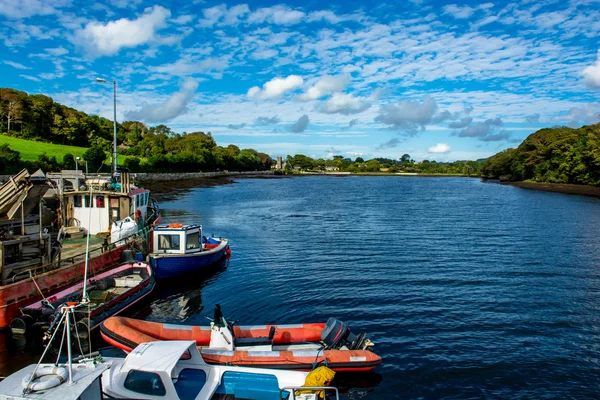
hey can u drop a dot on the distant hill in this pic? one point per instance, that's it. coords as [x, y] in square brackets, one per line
[553, 155]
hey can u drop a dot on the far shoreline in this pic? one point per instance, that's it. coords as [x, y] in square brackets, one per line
[564, 188]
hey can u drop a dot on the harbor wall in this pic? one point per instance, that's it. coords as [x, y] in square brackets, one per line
[149, 177]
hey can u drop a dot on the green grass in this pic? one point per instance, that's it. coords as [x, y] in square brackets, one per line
[30, 150]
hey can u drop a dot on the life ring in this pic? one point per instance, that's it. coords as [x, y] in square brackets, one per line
[56, 376]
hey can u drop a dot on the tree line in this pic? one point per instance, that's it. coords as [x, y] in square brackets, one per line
[403, 164]
[554, 155]
[152, 149]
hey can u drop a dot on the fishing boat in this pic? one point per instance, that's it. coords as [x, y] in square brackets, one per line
[178, 249]
[298, 346]
[108, 294]
[176, 370]
[34, 262]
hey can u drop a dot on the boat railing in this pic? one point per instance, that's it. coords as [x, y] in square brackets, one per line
[33, 272]
[293, 389]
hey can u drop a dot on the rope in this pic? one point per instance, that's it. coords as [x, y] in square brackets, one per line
[39, 290]
[61, 345]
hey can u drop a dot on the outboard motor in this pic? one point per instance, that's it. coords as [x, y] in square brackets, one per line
[336, 335]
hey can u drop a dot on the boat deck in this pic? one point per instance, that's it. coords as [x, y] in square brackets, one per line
[76, 247]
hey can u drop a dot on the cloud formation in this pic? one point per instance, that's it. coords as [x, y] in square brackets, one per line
[264, 121]
[277, 15]
[390, 144]
[533, 118]
[175, 105]
[343, 103]
[464, 122]
[300, 125]
[586, 114]
[411, 116]
[15, 64]
[440, 148]
[325, 86]
[276, 87]
[236, 126]
[486, 131]
[591, 74]
[109, 38]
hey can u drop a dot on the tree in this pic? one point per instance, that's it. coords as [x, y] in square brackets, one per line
[359, 160]
[10, 160]
[405, 159]
[68, 161]
[95, 156]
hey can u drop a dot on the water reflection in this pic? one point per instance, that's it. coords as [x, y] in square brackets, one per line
[178, 299]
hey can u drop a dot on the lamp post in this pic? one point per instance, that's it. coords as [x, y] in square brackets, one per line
[114, 163]
[76, 166]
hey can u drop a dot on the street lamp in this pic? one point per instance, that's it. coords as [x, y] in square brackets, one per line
[114, 166]
[76, 167]
[86, 167]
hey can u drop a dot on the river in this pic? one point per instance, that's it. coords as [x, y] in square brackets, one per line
[468, 289]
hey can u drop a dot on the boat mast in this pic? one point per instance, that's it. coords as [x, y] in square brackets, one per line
[84, 297]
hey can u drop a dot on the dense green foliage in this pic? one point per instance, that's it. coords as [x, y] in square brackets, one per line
[39, 118]
[555, 155]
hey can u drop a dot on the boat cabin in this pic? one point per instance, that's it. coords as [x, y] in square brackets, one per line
[99, 203]
[175, 369]
[177, 239]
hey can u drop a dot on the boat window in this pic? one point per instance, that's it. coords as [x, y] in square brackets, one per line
[99, 201]
[192, 241]
[86, 201]
[168, 242]
[77, 201]
[145, 382]
[137, 200]
[189, 383]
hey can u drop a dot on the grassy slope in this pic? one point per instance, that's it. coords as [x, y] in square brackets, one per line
[30, 150]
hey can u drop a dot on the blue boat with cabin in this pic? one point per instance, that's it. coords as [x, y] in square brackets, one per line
[178, 249]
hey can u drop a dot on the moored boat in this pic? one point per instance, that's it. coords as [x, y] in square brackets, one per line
[179, 249]
[269, 346]
[108, 294]
[176, 370]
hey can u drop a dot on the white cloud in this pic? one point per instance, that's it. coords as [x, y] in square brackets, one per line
[440, 148]
[16, 9]
[591, 74]
[325, 86]
[183, 19]
[343, 103]
[278, 15]
[109, 38]
[169, 109]
[276, 87]
[15, 64]
[583, 115]
[459, 12]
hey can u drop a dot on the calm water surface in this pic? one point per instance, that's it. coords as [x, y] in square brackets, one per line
[468, 289]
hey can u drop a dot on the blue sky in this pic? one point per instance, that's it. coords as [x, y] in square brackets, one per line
[437, 80]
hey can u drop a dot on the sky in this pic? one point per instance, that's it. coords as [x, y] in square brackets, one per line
[437, 80]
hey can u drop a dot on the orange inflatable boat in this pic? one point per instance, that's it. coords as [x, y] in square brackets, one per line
[299, 347]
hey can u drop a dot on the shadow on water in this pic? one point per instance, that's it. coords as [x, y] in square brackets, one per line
[179, 298]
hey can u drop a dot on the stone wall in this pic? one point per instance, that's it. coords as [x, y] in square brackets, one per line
[167, 177]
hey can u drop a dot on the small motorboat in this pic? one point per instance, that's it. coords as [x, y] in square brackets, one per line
[108, 294]
[176, 370]
[179, 249]
[298, 347]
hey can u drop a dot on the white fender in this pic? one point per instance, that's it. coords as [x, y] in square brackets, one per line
[56, 376]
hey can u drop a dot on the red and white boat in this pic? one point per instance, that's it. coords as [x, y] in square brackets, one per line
[298, 347]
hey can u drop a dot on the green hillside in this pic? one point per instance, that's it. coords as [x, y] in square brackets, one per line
[30, 150]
